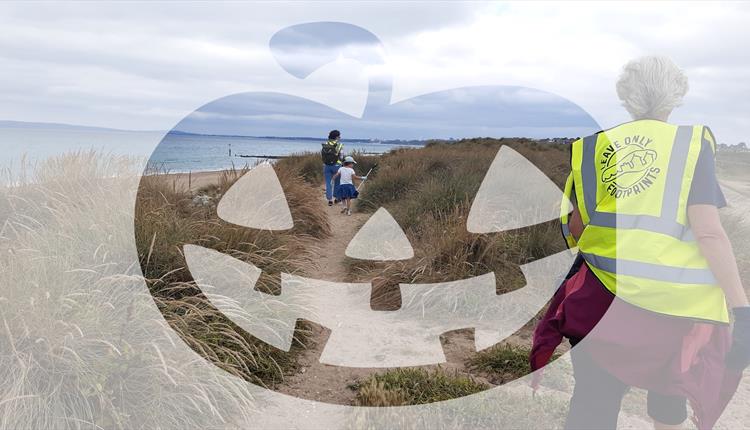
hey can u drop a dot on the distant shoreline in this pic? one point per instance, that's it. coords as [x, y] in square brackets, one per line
[414, 142]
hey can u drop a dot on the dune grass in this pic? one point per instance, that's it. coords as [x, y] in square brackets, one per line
[411, 386]
[429, 192]
[309, 166]
[503, 362]
[507, 361]
[81, 344]
[167, 218]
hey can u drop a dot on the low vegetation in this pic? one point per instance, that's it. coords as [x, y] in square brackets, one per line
[502, 363]
[81, 344]
[67, 255]
[167, 217]
[429, 192]
[411, 386]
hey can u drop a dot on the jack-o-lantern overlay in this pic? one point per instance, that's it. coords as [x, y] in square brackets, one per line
[430, 201]
[240, 277]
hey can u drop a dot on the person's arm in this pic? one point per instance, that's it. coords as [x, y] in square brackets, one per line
[715, 246]
[575, 223]
[704, 200]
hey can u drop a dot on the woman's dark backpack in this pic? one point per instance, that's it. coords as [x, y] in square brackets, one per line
[330, 153]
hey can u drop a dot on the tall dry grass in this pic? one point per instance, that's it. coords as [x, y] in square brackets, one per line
[429, 192]
[166, 218]
[309, 166]
[81, 343]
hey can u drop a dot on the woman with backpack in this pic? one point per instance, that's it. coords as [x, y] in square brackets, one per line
[332, 155]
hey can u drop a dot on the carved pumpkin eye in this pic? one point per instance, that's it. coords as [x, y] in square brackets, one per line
[514, 194]
[257, 201]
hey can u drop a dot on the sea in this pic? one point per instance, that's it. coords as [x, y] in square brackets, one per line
[187, 152]
[29, 144]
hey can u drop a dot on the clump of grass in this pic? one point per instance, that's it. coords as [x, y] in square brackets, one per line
[81, 344]
[414, 386]
[166, 219]
[374, 393]
[503, 362]
[429, 192]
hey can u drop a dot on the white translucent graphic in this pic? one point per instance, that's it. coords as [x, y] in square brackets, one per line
[257, 200]
[380, 239]
[514, 194]
[361, 337]
[228, 283]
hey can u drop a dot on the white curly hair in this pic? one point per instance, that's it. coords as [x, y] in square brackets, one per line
[651, 87]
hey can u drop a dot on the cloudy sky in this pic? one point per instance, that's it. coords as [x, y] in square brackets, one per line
[149, 65]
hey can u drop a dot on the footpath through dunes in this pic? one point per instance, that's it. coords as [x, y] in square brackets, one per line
[429, 200]
[334, 384]
[314, 380]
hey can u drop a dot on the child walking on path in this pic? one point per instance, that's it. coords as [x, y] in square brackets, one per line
[347, 190]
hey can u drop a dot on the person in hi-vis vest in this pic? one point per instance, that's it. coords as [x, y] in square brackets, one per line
[332, 154]
[641, 209]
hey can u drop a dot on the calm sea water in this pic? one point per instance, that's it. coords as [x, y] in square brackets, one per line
[182, 153]
[40, 143]
[177, 153]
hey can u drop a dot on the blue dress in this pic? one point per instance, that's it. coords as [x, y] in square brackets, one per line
[347, 191]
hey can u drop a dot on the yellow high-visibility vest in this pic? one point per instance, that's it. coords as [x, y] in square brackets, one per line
[631, 185]
[339, 148]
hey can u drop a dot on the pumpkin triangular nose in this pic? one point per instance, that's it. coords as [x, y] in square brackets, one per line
[380, 239]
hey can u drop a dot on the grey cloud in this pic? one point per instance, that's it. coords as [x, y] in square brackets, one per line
[145, 65]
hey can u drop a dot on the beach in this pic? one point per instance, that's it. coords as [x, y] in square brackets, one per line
[192, 181]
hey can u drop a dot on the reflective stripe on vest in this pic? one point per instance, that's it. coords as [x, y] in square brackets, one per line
[631, 185]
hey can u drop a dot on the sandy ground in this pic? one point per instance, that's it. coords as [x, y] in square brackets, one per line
[192, 181]
[318, 381]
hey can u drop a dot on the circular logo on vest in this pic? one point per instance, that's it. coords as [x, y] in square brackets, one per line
[627, 166]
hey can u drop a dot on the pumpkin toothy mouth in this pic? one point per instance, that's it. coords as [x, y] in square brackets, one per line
[360, 336]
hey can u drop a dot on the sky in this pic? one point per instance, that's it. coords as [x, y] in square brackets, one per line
[148, 66]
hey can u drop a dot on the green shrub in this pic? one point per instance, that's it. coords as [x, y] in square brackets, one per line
[506, 362]
[414, 386]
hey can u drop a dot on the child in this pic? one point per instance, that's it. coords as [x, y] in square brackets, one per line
[347, 191]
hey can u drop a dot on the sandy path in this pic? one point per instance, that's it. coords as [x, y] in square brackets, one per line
[315, 380]
[334, 384]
